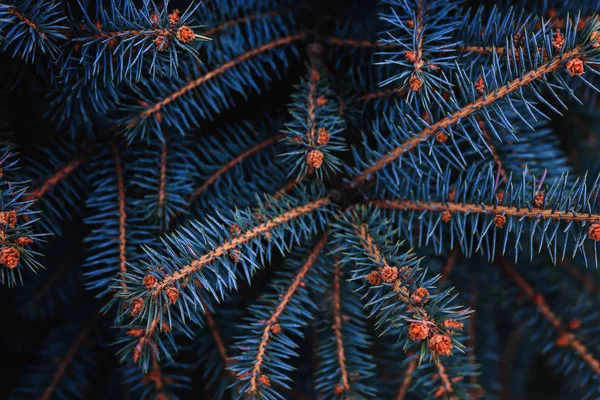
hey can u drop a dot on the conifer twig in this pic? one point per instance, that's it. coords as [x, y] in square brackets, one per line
[406, 381]
[227, 247]
[243, 20]
[60, 175]
[64, 362]
[122, 217]
[462, 114]
[155, 108]
[285, 299]
[564, 338]
[466, 208]
[226, 167]
[337, 328]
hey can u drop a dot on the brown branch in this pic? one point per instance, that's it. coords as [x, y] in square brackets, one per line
[359, 43]
[56, 178]
[488, 139]
[286, 188]
[450, 262]
[418, 63]
[227, 166]
[540, 303]
[463, 113]
[244, 20]
[66, 360]
[163, 179]
[384, 93]
[214, 73]
[347, 42]
[285, 299]
[481, 49]
[403, 389]
[375, 253]
[225, 248]
[370, 246]
[13, 10]
[311, 106]
[156, 375]
[145, 337]
[337, 328]
[464, 208]
[447, 386]
[214, 331]
[279, 194]
[122, 218]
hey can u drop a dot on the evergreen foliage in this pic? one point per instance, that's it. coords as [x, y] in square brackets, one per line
[299, 199]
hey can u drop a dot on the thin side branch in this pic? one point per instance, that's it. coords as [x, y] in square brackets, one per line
[463, 113]
[60, 175]
[243, 20]
[215, 73]
[467, 208]
[337, 329]
[122, 218]
[227, 166]
[163, 179]
[538, 300]
[403, 389]
[227, 247]
[64, 363]
[27, 21]
[262, 348]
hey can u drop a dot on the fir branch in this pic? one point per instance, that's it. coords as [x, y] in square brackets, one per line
[122, 216]
[467, 110]
[407, 379]
[162, 287]
[117, 230]
[67, 359]
[447, 386]
[493, 152]
[344, 366]
[163, 180]
[214, 331]
[384, 93]
[568, 338]
[228, 166]
[28, 27]
[450, 263]
[314, 133]
[486, 209]
[245, 20]
[338, 41]
[163, 190]
[154, 109]
[279, 310]
[337, 329]
[59, 175]
[16, 221]
[156, 376]
[245, 237]
[13, 11]
[121, 41]
[402, 298]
